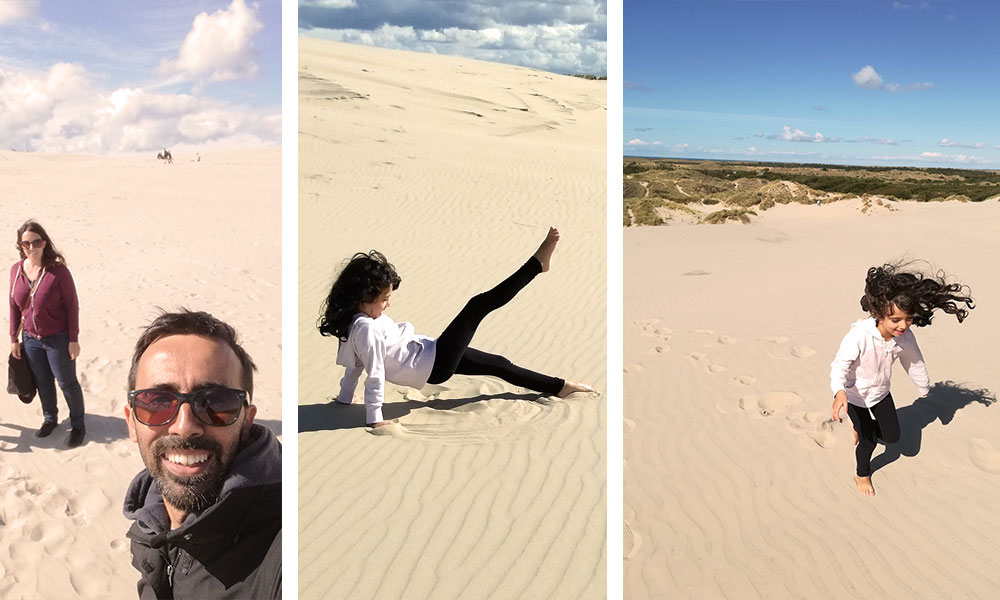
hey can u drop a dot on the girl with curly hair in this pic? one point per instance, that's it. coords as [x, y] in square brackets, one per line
[896, 298]
[370, 341]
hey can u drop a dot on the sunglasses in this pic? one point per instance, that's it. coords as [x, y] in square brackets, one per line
[215, 406]
[33, 243]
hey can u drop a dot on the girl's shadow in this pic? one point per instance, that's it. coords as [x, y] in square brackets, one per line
[942, 402]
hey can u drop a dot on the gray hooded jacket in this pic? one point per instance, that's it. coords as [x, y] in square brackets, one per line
[231, 549]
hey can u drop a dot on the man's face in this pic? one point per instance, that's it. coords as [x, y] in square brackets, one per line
[188, 459]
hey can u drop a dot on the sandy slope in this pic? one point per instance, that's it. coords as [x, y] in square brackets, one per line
[454, 169]
[137, 234]
[737, 485]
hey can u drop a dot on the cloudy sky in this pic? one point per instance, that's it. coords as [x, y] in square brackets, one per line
[123, 76]
[872, 83]
[564, 36]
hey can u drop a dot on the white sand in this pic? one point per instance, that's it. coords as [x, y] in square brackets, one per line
[136, 234]
[737, 484]
[454, 169]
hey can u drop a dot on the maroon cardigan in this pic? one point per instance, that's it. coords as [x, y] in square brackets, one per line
[54, 309]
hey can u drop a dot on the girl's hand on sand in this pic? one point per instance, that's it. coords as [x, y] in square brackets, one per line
[839, 402]
[15, 349]
[74, 350]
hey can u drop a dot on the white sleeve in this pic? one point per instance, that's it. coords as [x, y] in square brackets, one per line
[370, 348]
[848, 352]
[349, 382]
[913, 361]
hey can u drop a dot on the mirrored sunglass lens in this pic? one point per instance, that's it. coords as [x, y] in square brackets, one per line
[217, 406]
[155, 408]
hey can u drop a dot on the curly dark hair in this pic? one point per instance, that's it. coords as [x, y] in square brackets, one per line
[913, 292]
[50, 256]
[363, 279]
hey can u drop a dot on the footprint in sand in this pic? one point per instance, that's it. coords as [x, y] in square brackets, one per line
[767, 404]
[775, 339]
[715, 368]
[802, 351]
[630, 542]
[814, 425]
[629, 425]
[727, 340]
[663, 331]
[632, 368]
[661, 349]
[745, 380]
[984, 456]
[646, 322]
[697, 356]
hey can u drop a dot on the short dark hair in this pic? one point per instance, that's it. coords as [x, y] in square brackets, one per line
[189, 322]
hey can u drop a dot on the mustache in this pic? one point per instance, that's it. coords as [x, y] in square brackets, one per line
[175, 442]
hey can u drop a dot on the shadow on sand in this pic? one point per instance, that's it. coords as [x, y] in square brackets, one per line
[331, 416]
[941, 403]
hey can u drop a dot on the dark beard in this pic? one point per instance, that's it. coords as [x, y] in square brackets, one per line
[189, 494]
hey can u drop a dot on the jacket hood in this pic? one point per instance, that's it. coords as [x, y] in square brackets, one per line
[257, 464]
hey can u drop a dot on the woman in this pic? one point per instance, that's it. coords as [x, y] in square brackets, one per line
[44, 308]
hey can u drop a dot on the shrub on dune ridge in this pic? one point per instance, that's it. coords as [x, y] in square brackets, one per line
[721, 216]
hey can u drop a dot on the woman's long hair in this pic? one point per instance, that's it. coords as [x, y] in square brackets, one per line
[915, 293]
[50, 256]
[363, 279]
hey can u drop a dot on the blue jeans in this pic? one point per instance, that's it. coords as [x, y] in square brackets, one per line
[49, 361]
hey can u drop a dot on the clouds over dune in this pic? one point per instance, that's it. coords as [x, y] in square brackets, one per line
[566, 37]
[869, 79]
[65, 109]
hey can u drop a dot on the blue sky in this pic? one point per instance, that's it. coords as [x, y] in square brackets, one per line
[865, 83]
[562, 36]
[125, 76]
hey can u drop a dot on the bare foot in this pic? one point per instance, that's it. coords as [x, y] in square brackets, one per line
[571, 387]
[865, 486]
[544, 252]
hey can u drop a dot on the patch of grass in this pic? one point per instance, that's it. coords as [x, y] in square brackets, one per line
[736, 214]
[643, 212]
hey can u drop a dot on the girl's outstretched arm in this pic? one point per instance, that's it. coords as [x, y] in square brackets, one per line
[349, 383]
[370, 347]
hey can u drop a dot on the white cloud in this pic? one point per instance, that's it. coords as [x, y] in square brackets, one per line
[868, 78]
[931, 154]
[946, 143]
[329, 3]
[797, 135]
[219, 47]
[61, 110]
[637, 142]
[14, 10]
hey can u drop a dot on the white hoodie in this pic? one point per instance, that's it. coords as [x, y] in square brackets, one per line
[388, 351]
[863, 364]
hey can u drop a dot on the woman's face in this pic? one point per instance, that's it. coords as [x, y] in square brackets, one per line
[376, 307]
[33, 245]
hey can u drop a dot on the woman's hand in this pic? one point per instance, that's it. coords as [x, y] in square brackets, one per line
[839, 402]
[74, 350]
[15, 349]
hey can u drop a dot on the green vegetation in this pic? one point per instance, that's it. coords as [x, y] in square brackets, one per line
[643, 211]
[736, 214]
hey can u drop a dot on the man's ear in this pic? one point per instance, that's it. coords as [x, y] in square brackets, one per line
[131, 424]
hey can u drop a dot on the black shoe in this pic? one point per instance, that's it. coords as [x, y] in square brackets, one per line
[46, 428]
[76, 437]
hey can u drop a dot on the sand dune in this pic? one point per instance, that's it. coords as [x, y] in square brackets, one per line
[137, 234]
[737, 484]
[454, 169]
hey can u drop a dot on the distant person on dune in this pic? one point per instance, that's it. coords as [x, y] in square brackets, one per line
[370, 341]
[895, 299]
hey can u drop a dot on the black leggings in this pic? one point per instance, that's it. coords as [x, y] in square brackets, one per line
[454, 357]
[885, 425]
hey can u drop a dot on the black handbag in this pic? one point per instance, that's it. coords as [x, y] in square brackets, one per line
[20, 379]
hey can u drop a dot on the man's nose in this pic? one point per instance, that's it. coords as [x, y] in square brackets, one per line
[186, 424]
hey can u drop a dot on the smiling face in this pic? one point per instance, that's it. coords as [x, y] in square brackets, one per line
[376, 307]
[895, 323]
[35, 248]
[188, 459]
